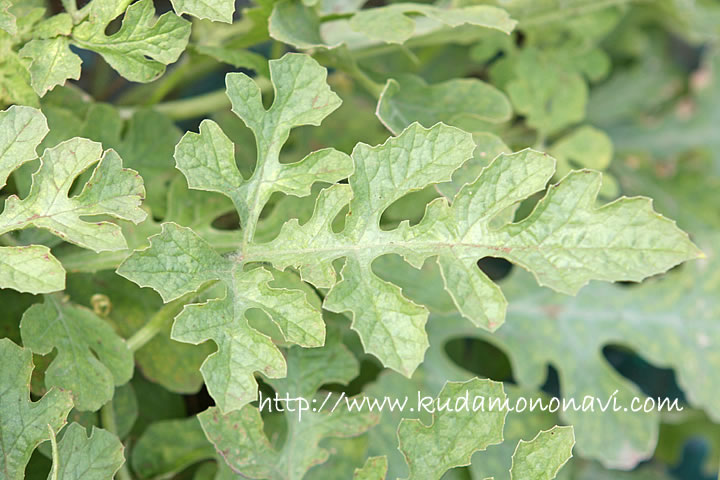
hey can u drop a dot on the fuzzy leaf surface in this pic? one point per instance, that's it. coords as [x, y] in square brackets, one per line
[469, 104]
[569, 333]
[239, 437]
[143, 46]
[215, 10]
[24, 424]
[392, 24]
[92, 359]
[97, 457]
[51, 63]
[542, 457]
[554, 242]
[453, 436]
[300, 25]
[302, 98]
[111, 190]
[565, 242]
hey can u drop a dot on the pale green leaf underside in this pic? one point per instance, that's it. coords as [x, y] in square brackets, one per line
[542, 457]
[566, 241]
[111, 190]
[216, 10]
[24, 424]
[31, 269]
[21, 131]
[97, 457]
[239, 437]
[91, 358]
[51, 63]
[297, 24]
[207, 159]
[453, 436]
[469, 104]
[143, 46]
[671, 322]
[178, 259]
[392, 24]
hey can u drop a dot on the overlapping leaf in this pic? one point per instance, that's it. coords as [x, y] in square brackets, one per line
[217, 10]
[239, 437]
[469, 104]
[393, 23]
[143, 46]
[532, 12]
[586, 147]
[243, 350]
[573, 331]
[22, 130]
[139, 50]
[549, 242]
[24, 424]
[51, 63]
[299, 23]
[20, 18]
[172, 364]
[464, 422]
[97, 457]
[542, 457]
[453, 436]
[550, 96]
[91, 358]
[111, 190]
[566, 241]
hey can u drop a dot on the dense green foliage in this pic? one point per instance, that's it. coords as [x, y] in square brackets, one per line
[208, 205]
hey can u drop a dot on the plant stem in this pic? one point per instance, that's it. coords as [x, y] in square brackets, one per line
[188, 69]
[8, 241]
[372, 87]
[55, 456]
[124, 4]
[344, 61]
[195, 106]
[161, 319]
[198, 106]
[185, 108]
[107, 419]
